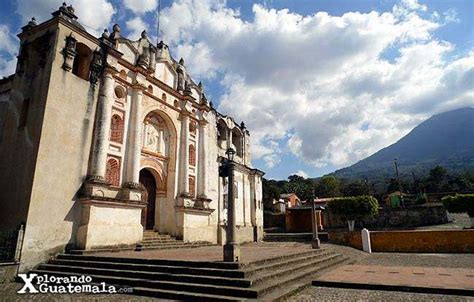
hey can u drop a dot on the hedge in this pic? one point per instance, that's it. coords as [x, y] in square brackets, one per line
[460, 203]
[354, 208]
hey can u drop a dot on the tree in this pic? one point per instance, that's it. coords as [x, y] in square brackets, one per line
[328, 186]
[271, 190]
[354, 208]
[301, 186]
[356, 188]
[437, 179]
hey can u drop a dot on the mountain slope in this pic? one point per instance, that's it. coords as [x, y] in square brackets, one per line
[445, 139]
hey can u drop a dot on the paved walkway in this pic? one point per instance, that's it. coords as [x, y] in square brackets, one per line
[249, 252]
[437, 277]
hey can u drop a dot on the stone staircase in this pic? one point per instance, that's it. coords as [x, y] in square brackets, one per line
[151, 241]
[269, 279]
[293, 237]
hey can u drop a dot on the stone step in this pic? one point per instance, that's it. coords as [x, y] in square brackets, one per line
[291, 269]
[284, 262]
[151, 234]
[142, 246]
[165, 285]
[172, 243]
[293, 237]
[102, 250]
[287, 279]
[166, 262]
[199, 280]
[278, 259]
[163, 237]
[172, 246]
[291, 288]
[179, 295]
[149, 275]
[170, 269]
[159, 240]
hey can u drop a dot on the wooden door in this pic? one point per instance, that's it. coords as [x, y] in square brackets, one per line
[148, 214]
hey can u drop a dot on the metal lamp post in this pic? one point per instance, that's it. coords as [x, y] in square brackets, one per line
[315, 243]
[231, 248]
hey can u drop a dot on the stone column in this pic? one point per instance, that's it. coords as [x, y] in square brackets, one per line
[102, 125]
[135, 137]
[231, 248]
[184, 190]
[202, 161]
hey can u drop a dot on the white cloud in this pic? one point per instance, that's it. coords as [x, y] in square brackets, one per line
[301, 173]
[320, 86]
[451, 16]
[136, 27]
[8, 51]
[141, 6]
[95, 15]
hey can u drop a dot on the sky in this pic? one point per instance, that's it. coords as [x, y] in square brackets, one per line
[320, 84]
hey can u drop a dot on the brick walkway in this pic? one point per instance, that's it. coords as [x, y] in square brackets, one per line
[438, 277]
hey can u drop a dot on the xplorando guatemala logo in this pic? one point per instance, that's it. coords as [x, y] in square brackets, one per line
[43, 284]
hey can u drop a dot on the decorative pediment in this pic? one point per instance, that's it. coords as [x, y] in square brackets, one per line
[130, 52]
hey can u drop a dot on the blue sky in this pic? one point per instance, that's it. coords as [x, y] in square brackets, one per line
[320, 84]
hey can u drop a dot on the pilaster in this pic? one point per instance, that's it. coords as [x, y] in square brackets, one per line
[135, 136]
[102, 126]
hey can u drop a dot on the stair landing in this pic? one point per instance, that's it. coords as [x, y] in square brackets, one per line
[151, 241]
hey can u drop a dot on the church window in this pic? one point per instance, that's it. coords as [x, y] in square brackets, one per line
[221, 131]
[116, 129]
[163, 97]
[82, 61]
[176, 104]
[237, 141]
[192, 155]
[192, 185]
[112, 174]
[150, 89]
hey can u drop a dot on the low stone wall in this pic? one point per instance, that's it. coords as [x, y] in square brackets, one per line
[420, 241]
[397, 217]
[274, 220]
[353, 239]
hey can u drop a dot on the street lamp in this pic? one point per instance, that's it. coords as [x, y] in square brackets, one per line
[231, 248]
[230, 152]
[315, 243]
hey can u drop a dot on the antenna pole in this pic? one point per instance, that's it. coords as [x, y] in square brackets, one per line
[158, 23]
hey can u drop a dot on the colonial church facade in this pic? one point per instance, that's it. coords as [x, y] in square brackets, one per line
[103, 138]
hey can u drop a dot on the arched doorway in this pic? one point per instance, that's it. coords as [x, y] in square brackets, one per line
[148, 214]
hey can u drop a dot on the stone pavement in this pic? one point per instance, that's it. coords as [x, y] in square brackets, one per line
[458, 221]
[325, 294]
[389, 260]
[249, 252]
[425, 277]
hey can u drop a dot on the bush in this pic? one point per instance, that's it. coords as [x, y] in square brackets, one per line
[460, 203]
[354, 208]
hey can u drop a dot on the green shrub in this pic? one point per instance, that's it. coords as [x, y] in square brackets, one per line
[354, 208]
[460, 203]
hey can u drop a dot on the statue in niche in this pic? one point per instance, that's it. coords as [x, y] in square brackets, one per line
[152, 138]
